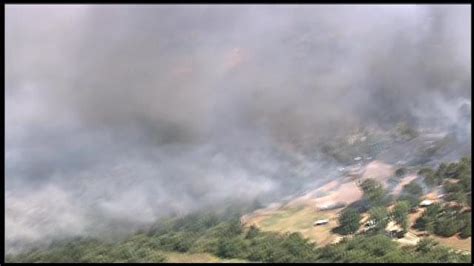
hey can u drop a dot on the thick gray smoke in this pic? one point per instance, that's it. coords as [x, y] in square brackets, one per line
[119, 115]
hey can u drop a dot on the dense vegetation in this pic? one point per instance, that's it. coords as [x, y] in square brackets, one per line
[375, 200]
[445, 221]
[447, 174]
[222, 235]
[454, 215]
[381, 249]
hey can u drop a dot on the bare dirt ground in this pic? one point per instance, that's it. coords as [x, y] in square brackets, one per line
[178, 257]
[405, 180]
[455, 242]
[344, 193]
[379, 171]
[433, 196]
[409, 239]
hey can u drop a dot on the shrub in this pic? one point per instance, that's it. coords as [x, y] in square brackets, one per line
[401, 172]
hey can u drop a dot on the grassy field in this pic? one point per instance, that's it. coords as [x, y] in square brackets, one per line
[299, 219]
[178, 257]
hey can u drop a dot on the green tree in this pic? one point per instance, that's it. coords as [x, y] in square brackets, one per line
[452, 187]
[428, 176]
[458, 197]
[348, 221]
[447, 226]
[426, 244]
[374, 192]
[466, 231]
[299, 248]
[230, 247]
[428, 219]
[252, 232]
[411, 193]
[380, 216]
[400, 213]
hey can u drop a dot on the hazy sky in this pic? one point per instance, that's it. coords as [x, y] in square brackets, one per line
[123, 114]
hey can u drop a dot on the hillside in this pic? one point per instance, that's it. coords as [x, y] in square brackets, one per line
[285, 232]
[329, 200]
[226, 241]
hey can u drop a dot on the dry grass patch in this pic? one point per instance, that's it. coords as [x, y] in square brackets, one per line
[177, 257]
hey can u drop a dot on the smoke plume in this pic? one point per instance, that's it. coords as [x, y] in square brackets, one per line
[119, 115]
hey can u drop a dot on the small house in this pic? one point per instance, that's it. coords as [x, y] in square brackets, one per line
[425, 203]
[370, 224]
[321, 222]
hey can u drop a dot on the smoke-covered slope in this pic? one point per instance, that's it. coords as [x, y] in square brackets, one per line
[116, 116]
